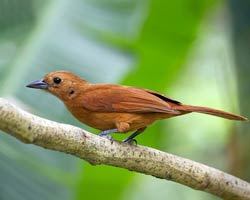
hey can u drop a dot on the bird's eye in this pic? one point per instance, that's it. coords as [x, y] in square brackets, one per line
[57, 80]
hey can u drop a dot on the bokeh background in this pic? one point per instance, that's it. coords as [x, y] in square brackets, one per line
[197, 52]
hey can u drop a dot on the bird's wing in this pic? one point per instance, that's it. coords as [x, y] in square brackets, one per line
[125, 99]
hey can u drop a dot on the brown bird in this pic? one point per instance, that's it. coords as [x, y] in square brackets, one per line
[116, 108]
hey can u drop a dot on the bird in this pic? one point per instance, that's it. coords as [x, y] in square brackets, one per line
[113, 108]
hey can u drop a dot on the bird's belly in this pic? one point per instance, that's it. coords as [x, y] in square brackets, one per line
[106, 121]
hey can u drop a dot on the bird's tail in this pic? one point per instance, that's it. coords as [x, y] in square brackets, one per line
[211, 111]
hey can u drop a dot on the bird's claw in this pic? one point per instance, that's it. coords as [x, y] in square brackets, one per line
[130, 141]
[109, 137]
[101, 134]
[106, 133]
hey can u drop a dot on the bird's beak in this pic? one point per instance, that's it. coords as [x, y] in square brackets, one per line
[38, 84]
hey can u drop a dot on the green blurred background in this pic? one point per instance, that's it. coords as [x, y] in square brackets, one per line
[194, 51]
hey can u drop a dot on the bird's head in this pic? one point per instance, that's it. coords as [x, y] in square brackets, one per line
[62, 84]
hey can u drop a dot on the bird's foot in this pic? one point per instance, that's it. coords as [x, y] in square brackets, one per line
[130, 141]
[106, 133]
[109, 137]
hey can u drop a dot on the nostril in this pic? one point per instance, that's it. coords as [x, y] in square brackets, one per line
[71, 92]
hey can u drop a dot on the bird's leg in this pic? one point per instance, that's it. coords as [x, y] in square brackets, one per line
[107, 133]
[131, 139]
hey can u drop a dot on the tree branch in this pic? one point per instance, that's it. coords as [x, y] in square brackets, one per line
[97, 150]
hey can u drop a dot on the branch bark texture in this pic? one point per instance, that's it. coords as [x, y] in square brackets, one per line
[96, 150]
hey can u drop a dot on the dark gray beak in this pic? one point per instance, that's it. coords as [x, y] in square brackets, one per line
[38, 84]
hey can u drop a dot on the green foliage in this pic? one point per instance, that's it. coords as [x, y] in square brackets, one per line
[143, 43]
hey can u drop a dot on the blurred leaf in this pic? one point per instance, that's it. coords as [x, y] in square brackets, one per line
[239, 144]
[14, 15]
